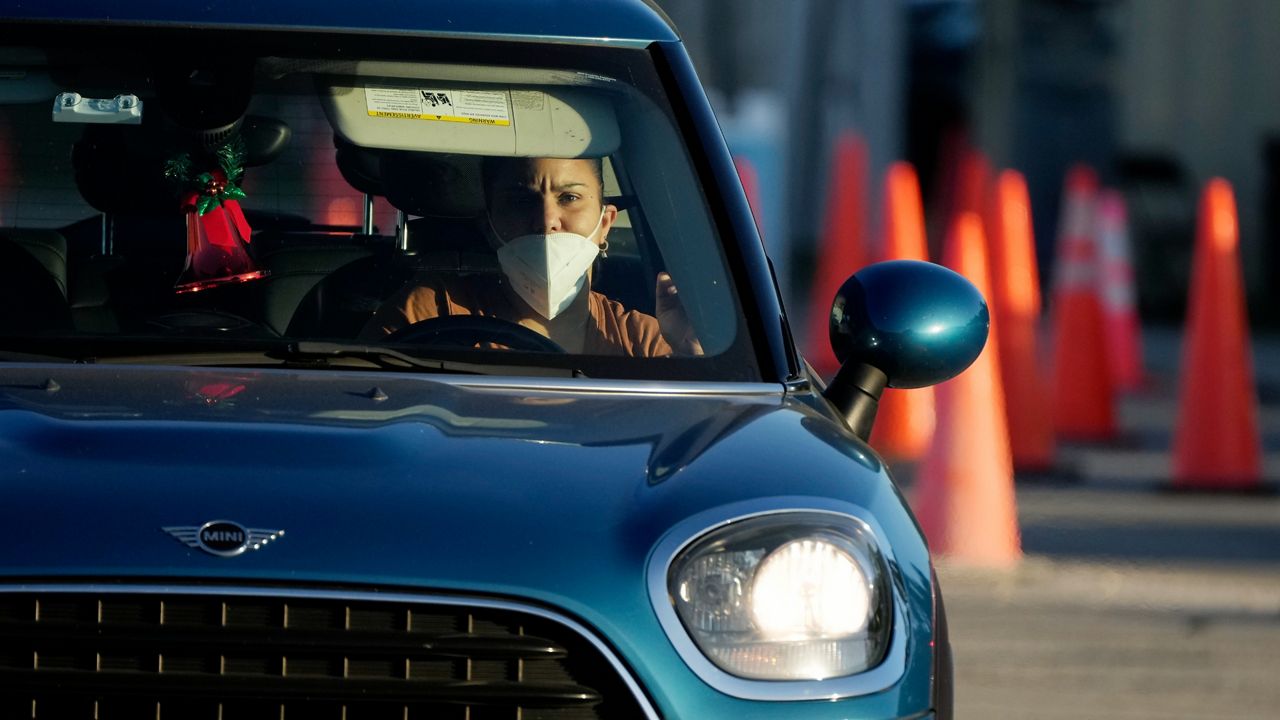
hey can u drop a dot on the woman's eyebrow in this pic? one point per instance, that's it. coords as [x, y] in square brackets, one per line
[519, 187]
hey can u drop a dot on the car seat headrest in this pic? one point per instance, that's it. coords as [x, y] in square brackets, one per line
[26, 283]
[359, 166]
[264, 139]
[433, 184]
[120, 170]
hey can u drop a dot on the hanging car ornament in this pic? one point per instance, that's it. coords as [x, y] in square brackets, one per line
[218, 234]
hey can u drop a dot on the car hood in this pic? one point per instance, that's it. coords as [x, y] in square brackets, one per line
[388, 477]
[555, 491]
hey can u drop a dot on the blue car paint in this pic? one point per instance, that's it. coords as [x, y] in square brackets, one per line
[455, 485]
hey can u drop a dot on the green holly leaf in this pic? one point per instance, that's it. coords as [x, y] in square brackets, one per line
[178, 169]
[231, 159]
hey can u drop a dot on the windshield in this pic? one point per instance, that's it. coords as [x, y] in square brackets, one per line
[324, 202]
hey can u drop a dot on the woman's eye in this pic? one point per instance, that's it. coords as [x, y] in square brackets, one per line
[567, 198]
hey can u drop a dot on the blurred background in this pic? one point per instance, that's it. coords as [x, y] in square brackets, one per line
[1157, 95]
[1141, 575]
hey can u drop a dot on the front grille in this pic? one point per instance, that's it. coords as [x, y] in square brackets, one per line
[110, 655]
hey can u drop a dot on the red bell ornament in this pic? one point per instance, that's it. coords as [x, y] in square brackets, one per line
[217, 247]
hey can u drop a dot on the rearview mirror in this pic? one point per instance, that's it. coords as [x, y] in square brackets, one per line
[901, 324]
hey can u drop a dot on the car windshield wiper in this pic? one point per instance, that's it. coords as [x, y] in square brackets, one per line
[392, 359]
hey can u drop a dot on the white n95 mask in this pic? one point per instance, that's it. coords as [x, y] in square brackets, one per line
[548, 271]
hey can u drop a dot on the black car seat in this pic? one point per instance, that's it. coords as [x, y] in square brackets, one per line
[443, 193]
[33, 282]
[48, 247]
[626, 275]
[297, 260]
[119, 171]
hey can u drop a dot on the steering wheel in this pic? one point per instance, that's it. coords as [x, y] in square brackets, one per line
[467, 330]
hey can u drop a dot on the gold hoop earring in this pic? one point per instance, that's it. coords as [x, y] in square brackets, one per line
[604, 249]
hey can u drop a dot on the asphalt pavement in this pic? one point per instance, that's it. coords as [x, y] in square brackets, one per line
[1133, 601]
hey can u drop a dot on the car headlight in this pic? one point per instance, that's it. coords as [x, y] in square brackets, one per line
[791, 596]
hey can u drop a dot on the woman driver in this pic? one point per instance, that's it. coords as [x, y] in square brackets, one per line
[550, 223]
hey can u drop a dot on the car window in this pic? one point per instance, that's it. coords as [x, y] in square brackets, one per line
[286, 204]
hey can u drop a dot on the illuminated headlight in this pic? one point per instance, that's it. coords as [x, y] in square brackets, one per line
[793, 596]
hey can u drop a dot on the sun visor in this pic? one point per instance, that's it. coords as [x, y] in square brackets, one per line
[475, 119]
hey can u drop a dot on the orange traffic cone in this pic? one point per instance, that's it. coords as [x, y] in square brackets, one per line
[964, 499]
[904, 420]
[1082, 400]
[1119, 298]
[843, 248]
[903, 236]
[1216, 444]
[1015, 303]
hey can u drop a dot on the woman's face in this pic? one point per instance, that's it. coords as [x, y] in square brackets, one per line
[548, 195]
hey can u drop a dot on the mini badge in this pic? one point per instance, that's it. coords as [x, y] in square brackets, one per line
[223, 538]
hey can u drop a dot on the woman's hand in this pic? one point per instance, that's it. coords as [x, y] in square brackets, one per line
[673, 320]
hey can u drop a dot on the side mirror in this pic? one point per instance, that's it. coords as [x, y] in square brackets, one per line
[901, 324]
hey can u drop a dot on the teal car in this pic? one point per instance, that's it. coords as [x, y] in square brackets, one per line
[423, 360]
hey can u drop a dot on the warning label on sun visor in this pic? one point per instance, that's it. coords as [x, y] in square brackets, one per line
[480, 107]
